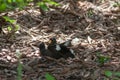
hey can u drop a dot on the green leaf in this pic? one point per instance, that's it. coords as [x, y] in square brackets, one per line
[43, 6]
[117, 74]
[20, 1]
[49, 77]
[108, 73]
[14, 0]
[46, 0]
[3, 7]
[8, 19]
[53, 3]
[9, 28]
[103, 59]
[9, 1]
[17, 27]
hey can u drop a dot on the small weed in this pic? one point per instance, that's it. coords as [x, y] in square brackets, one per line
[12, 27]
[116, 4]
[111, 74]
[90, 13]
[102, 59]
[43, 4]
[49, 77]
[6, 5]
[108, 73]
[13, 22]
[19, 68]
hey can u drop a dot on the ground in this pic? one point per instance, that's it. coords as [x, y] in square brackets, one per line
[96, 26]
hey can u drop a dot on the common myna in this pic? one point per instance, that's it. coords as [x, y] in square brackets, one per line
[60, 48]
[45, 52]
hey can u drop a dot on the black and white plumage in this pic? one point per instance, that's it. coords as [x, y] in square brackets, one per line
[46, 52]
[62, 48]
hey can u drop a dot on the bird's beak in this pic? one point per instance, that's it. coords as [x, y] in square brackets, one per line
[49, 42]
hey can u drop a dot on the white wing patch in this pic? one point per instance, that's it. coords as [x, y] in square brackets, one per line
[72, 51]
[67, 43]
[58, 48]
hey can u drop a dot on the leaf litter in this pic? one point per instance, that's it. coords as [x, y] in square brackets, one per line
[93, 24]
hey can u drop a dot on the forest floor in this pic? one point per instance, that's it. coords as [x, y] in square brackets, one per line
[96, 26]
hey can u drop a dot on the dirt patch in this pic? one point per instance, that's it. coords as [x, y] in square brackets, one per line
[96, 24]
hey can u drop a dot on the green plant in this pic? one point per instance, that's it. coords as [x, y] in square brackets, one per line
[43, 4]
[109, 74]
[102, 59]
[90, 12]
[49, 77]
[117, 74]
[10, 28]
[19, 68]
[13, 22]
[116, 4]
[6, 5]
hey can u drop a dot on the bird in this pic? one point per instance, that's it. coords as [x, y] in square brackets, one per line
[53, 41]
[67, 43]
[45, 52]
[61, 48]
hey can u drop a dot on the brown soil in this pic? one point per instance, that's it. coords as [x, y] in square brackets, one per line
[96, 23]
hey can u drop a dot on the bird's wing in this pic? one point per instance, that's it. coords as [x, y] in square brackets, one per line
[66, 43]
